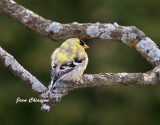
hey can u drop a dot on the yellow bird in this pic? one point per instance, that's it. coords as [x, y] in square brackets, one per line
[68, 61]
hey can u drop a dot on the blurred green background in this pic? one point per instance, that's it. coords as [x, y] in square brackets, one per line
[134, 105]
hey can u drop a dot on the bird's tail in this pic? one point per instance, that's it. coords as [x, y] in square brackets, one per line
[52, 85]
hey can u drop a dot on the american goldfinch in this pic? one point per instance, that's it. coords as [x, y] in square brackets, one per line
[68, 61]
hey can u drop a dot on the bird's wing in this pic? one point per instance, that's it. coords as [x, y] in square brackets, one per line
[64, 69]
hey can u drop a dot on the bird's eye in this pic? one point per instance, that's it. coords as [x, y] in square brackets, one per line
[81, 43]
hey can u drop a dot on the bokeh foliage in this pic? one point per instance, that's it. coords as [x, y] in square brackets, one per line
[99, 105]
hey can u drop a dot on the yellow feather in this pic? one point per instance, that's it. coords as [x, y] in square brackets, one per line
[75, 40]
[65, 44]
[63, 57]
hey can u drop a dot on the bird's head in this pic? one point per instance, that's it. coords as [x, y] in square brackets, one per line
[75, 42]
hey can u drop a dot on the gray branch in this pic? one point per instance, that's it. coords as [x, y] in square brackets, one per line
[88, 80]
[129, 35]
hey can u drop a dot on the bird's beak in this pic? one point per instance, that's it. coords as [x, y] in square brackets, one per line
[85, 46]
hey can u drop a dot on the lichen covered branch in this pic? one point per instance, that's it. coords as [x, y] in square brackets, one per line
[11, 63]
[106, 79]
[128, 35]
[63, 87]
[57, 31]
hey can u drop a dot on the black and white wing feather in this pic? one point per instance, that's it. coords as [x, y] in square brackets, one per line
[56, 74]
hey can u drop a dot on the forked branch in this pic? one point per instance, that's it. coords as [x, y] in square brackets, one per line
[131, 36]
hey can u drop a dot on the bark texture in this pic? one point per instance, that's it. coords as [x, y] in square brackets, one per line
[129, 35]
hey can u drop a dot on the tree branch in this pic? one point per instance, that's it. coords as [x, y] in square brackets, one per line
[89, 80]
[131, 36]
[12, 64]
